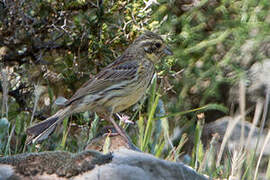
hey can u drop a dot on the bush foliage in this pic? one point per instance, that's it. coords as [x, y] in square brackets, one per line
[50, 48]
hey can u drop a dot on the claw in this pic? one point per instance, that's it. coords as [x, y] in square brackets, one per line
[110, 133]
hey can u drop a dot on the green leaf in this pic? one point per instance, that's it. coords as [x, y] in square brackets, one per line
[106, 145]
[93, 129]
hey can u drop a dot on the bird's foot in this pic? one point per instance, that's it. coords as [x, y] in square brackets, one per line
[119, 129]
[111, 132]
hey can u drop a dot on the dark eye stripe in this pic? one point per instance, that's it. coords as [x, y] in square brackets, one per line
[158, 45]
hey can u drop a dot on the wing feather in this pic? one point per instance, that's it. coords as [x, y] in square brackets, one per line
[122, 69]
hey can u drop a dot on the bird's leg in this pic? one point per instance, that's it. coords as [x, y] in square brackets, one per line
[111, 134]
[119, 129]
[110, 131]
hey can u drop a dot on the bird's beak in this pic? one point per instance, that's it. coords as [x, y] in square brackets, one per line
[167, 51]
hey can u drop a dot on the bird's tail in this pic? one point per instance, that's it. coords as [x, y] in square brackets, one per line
[45, 128]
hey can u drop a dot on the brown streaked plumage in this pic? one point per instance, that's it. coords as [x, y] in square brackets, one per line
[114, 89]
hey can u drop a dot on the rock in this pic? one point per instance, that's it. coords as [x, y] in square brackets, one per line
[51, 164]
[257, 83]
[115, 141]
[123, 164]
[259, 79]
[132, 165]
[220, 126]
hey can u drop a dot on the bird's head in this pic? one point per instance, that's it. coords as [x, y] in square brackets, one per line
[152, 45]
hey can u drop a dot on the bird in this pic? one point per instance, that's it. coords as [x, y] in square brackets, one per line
[115, 88]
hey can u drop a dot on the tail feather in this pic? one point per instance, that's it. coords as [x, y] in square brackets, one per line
[45, 128]
[39, 128]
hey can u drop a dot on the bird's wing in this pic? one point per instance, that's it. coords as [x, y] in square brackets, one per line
[124, 68]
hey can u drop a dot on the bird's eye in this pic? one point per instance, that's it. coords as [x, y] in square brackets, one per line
[158, 45]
